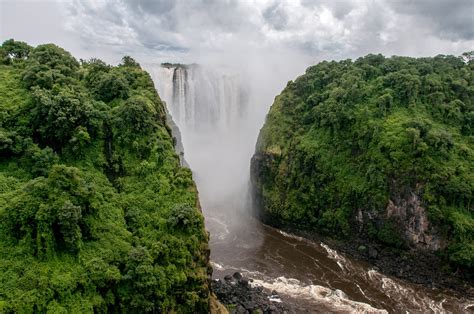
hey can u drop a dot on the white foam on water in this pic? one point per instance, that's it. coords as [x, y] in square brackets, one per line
[292, 236]
[372, 273]
[340, 265]
[245, 272]
[336, 299]
[274, 299]
[361, 291]
[389, 284]
[332, 254]
[469, 305]
[405, 295]
[217, 265]
[225, 229]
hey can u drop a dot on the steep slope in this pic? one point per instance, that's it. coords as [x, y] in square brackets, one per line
[96, 214]
[380, 150]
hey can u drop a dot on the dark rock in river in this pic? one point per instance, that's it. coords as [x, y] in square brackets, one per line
[244, 281]
[240, 297]
[237, 275]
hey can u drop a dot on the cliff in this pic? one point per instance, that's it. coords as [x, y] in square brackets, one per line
[96, 213]
[374, 151]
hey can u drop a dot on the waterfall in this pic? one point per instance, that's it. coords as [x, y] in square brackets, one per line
[211, 109]
[201, 100]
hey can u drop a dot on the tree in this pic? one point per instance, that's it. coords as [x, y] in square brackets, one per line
[136, 116]
[110, 86]
[94, 68]
[468, 56]
[54, 57]
[184, 217]
[128, 61]
[49, 64]
[49, 213]
[15, 50]
[57, 114]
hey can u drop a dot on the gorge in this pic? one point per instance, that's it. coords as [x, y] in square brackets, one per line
[308, 274]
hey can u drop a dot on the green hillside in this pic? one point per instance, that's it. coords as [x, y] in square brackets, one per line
[96, 214]
[380, 149]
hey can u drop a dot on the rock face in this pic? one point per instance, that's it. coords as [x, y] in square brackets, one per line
[177, 140]
[405, 208]
[359, 151]
[412, 217]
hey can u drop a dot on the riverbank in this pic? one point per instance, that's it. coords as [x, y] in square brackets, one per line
[413, 266]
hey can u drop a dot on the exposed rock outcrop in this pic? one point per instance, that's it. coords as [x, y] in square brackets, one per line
[408, 210]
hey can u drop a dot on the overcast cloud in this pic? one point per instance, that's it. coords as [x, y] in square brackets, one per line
[182, 28]
[237, 31]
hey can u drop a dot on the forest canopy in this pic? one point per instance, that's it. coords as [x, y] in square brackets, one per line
[348, 139]
[96, 213]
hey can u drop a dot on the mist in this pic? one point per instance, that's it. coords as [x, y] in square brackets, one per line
[219, 111]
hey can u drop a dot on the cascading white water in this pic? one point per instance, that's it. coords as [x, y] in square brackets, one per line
[210, 110]
[201, 100]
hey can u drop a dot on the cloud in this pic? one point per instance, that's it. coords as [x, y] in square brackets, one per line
[276, 17]
[187, 31]
[448, 19]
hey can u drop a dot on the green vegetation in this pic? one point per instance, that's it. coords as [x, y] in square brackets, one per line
[96, 214]
[347, 137]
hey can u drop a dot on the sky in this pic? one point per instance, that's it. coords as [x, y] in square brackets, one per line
[232, 30]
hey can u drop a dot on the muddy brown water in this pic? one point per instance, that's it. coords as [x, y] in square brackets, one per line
[311, 276]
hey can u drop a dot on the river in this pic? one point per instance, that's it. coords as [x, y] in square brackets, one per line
[311, 276]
